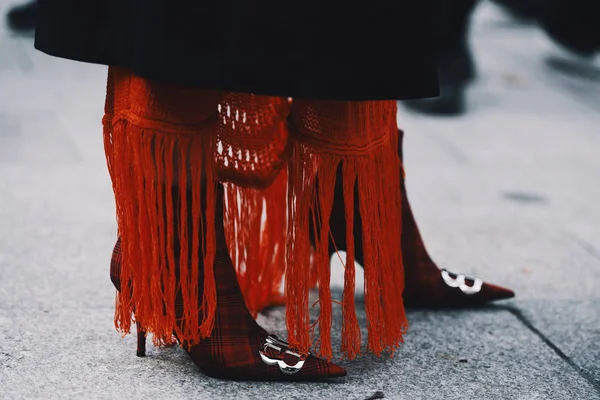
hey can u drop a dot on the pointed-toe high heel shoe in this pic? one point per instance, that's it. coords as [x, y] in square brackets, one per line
[426, 285]
[238, 348]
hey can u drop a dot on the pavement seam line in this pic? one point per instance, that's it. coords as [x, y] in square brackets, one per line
[584, 244]
[525, 321]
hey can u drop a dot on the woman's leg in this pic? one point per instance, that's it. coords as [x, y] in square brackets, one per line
[177, 277]
[359, 139]
[426, 285]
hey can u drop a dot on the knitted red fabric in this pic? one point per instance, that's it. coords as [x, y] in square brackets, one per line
[160, 135]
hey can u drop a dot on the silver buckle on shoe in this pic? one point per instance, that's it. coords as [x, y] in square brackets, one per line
[460, 282]
[275, 351]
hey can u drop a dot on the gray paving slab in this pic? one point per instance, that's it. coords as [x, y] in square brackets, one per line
[73, 352]
[573, 326]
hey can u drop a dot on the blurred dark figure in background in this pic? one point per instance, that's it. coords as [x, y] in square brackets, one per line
[573, 24]
[21, 18]
[524, 9]
[455, 61]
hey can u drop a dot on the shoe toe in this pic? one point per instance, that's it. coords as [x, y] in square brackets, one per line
[491, 292]
[318, 368]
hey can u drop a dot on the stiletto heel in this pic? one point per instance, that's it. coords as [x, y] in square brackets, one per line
[115, 277]
[141, 340]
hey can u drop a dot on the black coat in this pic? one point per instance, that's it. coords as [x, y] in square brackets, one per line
[321, 49]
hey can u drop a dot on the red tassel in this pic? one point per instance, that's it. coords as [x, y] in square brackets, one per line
[162, 137]
[256, 231]
[360, 136]
[351, 335]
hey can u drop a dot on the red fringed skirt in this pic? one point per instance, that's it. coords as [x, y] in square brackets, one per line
[270, 152]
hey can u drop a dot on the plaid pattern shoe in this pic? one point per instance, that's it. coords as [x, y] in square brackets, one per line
[236, 347]
[426, 285]
[115, 265]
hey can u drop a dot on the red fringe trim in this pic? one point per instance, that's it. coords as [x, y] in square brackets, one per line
[256, 229]
[152, 147]
[374, 171]
[160, 136]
